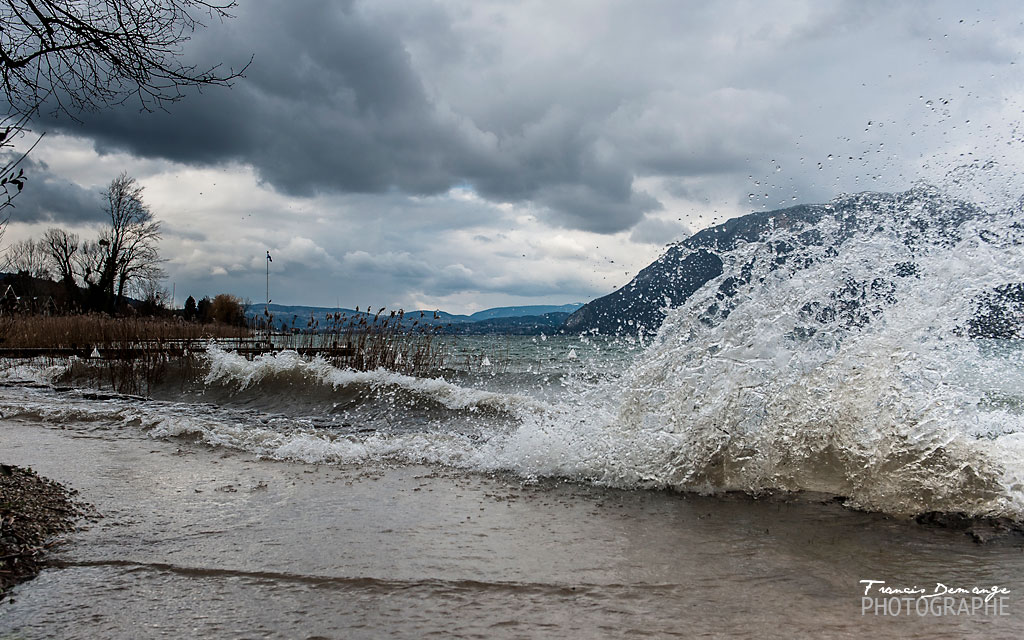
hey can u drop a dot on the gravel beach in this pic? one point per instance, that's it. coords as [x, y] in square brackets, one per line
[33, 512]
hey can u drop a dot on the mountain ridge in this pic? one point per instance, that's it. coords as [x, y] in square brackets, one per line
[517, 319]
[687, 265]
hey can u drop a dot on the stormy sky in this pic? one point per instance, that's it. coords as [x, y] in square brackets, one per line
[468, 154]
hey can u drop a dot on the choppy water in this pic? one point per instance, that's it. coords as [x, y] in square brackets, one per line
[836, 356]
[212, 542]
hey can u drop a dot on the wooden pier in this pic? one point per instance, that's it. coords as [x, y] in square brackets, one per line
[89, 352]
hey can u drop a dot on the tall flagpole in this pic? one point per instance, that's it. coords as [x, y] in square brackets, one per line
[266, 309]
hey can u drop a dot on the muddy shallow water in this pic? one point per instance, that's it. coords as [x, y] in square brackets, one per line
[198, 541]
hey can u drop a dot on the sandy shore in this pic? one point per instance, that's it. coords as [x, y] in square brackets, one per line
[207, 542]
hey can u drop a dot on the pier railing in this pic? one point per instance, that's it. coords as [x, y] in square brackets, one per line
[248, 348]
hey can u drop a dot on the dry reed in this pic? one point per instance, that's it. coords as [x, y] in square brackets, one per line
[367, 341]
[135, 353]
[99, 330]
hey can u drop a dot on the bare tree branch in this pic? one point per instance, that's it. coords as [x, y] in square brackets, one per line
[80, 55]
[12, 178]
[30, 257]
[84, 54]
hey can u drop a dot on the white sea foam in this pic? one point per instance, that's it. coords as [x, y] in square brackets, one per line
[836, 370]
[35, 371]
[830, 371]
[229, 368]
[844, 364]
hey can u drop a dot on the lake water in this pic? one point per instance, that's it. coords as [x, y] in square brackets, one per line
[741, 474]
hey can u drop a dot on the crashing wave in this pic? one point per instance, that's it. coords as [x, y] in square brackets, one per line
[842, 364]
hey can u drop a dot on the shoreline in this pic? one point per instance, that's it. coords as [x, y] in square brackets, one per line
[34, 511]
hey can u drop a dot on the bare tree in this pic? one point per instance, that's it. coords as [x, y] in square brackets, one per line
[87, 264]
[29, 257]
[139, 268]
[62, 249]
[126, 251]
[83, 54]
[155, 296]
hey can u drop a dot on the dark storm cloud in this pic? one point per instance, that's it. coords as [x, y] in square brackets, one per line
[329, 102]
[49, 198]
[582, 206]
[332, 102]
[564, 109]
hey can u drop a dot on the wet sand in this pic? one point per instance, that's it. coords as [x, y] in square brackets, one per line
[204, 542]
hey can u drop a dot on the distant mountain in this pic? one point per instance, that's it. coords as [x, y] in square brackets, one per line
[688, 265]
[513, 325]
[523, 319]
[528, 310]
[685, 267]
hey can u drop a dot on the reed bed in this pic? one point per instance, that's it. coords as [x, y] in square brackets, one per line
[103, 331]
[361, 341]
[132, 355]
[135, 353]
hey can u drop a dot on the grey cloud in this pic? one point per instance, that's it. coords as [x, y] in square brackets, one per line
[171, 230]
[405, 215]
[332, 102]
[395, 264]
[381, 98]
[453, 278]
[582, 207]
[527, 287]
[681, 133]
[658, 231]
[49, 198]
